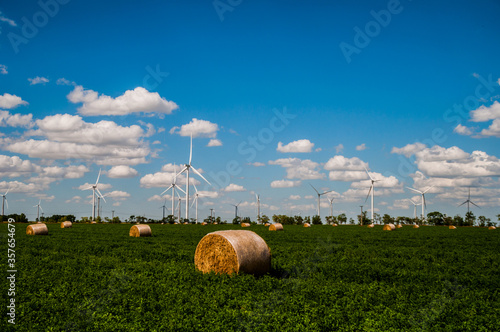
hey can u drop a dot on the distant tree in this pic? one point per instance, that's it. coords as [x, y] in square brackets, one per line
[362, 219]
[247, 220]
[264, 219]
[458, 220]
[298, 220]
[307, 220]
[400, 220]
[498, 216]
[470, 219]
[236, 221]
[377, 218]
[329, 220]
[483, 221]
[116, 220]
[342, 218]
[435, 218]
[316, 220]
[447, 220]
[387, 219]
[132, 218]
[218, 220]
[351, 221]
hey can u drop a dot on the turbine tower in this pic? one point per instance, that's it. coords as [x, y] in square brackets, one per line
[319, 195]
[4, 201]
[196, 195]
[99, 204]
[164, 207]
[372, 190]
[468, 201]
[414, 207]
[172, 186]
[423, 198]
[94, 189]
[187, 168]
[331, 206]
[38, 208]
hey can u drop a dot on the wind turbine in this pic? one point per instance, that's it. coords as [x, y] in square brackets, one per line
[468, 201]
[423, 198]
[4, 201]
[164, 207]
[414, 207]
[331, 206]
[99, 204]
[94, 189]
[196, 195]
[236, 209]
[172, 186]
[372, 190]
[257, 197]
[186, 168]
[319, 195]
[39, 207]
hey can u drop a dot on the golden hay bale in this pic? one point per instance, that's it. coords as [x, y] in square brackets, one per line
[233, 252]
[186, 223]
[416, 226]
[399, 226]
[492, 227]
[276, 227]
[140, 230]
[334, 225]
[93, 222]
[37, 229]
[307, 225]
[245, 224]
[452, 227]
[371, 226]
[203, 223]
[66, 224]
[389, 227]
[216, 223]
[39, 222]
[267, 224]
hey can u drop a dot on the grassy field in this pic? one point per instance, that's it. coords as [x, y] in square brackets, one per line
[348, 278]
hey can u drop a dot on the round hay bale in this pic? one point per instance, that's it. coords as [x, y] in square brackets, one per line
[233, 252]
[267, 224]
[416, 226]
[93, 222]
[216, 223]
[307, 225]
[37, 229]
[276, 227]
[186, 223]
[245, 224]
[203, 223]
[492, 227]
[39, 222]
[389, 227]
[140, 230]
[66, 224]
[334, 225]
[452, 227]
[371, 226]
[399, 226]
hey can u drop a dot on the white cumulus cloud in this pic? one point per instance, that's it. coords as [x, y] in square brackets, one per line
[122, 171]
[285, 184]
[301, 146]
[197, 128]
[234, 187]
[8, 101]
[38, 80]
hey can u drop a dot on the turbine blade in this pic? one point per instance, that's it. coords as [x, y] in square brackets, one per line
[196, 189]
[100, 195]
[194, 200]
[463, 203]
[326, 192]
[179, 188]
[314, 188]
[98, 176]
[182, 171]
[474, 204]
[196, 171]
[428, 189]
[41, 208]
[369, 191]
[368, 174]
[166, 190]
[415, 190]
[238, 203]
[6, 203]
[7, 191]
[191, 150]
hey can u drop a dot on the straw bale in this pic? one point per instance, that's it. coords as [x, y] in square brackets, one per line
[334, 225]
[203, 223]
[371, 226]
[416, 226]
[307, 225]
[140, 230]
[245, 224]
[66, 224]
[216, 223]
[186, 223]
[267, 224]
[492, 227]
[37, 229]
[452, 227]
[276, 227]
[234, 251]
[93, 222]
[399, 226]
[389, 227]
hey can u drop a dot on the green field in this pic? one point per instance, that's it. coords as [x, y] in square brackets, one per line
[348, 278]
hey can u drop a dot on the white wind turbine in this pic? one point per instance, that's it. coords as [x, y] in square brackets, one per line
[187, 168]
[423, 198]
[414, 207]
[4, 201]
[196, 195]
[236, 209]
[172, 186]
[319, 195]
[94, 189]
[38, 208]
[372, 190]
[99, 203]
[331, 206]
[257, 197]
[468, 201]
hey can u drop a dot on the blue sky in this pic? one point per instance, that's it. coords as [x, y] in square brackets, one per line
[407, 89]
